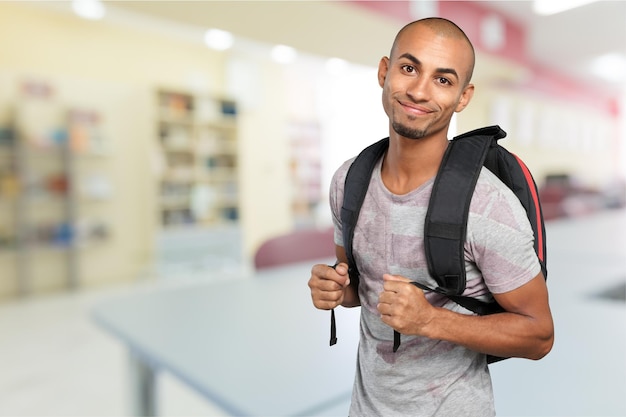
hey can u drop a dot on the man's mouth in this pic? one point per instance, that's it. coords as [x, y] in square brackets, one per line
[415, 109]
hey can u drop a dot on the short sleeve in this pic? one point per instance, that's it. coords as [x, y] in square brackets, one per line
[335, 198]
[501, 238]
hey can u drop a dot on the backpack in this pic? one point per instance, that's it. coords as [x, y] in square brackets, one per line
[448, 209]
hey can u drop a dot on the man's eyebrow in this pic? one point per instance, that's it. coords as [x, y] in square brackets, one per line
[417, 62]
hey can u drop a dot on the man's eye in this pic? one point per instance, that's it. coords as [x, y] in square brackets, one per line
[443, 80]
[408, 68]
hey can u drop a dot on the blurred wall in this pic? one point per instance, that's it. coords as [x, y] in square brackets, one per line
[552, 134]
[117, 65]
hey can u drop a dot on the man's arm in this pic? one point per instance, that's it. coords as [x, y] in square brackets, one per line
[524, 330]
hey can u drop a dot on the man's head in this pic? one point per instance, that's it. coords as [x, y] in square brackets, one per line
[426, 77]
[445, 28]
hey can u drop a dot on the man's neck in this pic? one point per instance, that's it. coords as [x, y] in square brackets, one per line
[409, 163]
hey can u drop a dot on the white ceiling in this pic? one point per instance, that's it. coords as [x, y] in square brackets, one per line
[567, 42]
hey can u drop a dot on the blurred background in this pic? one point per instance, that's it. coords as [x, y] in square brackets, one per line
[157, 142]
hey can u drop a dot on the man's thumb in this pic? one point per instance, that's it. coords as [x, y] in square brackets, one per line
[400, 278]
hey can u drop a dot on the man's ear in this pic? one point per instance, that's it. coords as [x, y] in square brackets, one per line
[383, 67]
[466, 97]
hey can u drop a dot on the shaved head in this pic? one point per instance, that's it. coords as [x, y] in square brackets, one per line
[441, 27]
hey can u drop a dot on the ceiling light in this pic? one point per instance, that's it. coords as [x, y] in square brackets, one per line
[89, 9]
[219, 40]
[284, 54]
[336, 66]
[550, 7]
[611, 67]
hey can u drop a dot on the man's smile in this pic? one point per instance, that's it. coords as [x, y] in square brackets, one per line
[414, 109]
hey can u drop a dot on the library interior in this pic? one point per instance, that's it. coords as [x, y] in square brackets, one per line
[157, 157]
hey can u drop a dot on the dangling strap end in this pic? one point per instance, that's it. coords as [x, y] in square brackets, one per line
[333, 328]
[396, 341]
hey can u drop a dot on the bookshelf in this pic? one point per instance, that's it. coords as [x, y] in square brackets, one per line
[198, 159]
[306, 171]
[8, 189]
[54, 200]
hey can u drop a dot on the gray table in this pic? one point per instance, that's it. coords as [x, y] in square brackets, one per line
[258, 347]
[253, 346]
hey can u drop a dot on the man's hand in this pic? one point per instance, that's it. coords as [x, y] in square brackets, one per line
[403, 306]
[328, 285]
[524, 330]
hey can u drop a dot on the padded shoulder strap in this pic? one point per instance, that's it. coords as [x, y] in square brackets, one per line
[355, 189]
[446, 218]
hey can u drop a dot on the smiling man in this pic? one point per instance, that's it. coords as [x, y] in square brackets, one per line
[441, 368]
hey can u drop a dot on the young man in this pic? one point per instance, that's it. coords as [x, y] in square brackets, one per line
[440, 368]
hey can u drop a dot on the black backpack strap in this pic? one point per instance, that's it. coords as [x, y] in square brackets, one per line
[446, 218]
[355, 188]
[475, 305]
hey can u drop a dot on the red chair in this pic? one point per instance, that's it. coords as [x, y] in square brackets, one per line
[294, 247]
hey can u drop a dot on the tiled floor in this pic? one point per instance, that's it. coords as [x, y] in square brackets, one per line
[55, 362]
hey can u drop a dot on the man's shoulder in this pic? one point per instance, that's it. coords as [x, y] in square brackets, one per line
[495, 201]
[339, 176]
[490, 186]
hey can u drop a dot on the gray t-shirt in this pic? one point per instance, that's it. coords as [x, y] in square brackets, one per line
[427, 377]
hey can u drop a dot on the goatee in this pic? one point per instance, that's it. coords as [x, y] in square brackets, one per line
[407, 132]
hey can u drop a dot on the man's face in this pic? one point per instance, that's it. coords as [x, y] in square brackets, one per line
[424, 82]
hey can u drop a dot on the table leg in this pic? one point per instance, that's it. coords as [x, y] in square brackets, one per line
[142, 389]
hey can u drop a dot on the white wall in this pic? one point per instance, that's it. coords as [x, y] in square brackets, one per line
[617, 188]
[352, 115]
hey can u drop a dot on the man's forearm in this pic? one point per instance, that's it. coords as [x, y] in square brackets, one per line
[502, 334]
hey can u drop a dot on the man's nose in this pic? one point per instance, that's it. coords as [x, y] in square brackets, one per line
[419, 88]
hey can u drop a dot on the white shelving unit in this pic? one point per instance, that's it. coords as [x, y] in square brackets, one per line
[198, 199]
[53, 204]
[197, 142]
